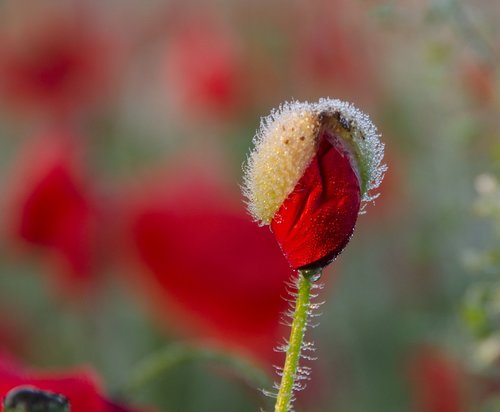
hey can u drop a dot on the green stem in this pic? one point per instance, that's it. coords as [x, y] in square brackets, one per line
[299, 324]
[177, 354]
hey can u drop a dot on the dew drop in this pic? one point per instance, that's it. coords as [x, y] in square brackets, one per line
[313, 274]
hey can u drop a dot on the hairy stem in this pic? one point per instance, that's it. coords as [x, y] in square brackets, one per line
[299, 324]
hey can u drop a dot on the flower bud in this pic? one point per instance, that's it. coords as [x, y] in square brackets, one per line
[312, 169]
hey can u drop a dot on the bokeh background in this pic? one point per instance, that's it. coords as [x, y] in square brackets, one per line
[123, 128]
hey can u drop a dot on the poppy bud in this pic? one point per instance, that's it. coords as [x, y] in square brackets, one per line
[312, 169]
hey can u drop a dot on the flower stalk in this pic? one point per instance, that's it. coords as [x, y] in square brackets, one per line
[294, 347]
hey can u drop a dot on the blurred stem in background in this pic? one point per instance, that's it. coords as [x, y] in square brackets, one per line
[156, 364]
[466, 25]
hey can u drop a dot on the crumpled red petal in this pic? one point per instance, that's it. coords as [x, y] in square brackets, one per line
[316, 221]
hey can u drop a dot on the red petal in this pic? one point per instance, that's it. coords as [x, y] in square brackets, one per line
[208, 266]
[53, 207]
[317, 219]
[80, 386]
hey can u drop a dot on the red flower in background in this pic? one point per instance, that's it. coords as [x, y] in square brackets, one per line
[437, 383]
[80, 386]
[53, 208]
[208, 267]
[52, 61]
[203, 66]
[478, 79]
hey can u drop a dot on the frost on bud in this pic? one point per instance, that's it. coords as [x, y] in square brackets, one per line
[313, 167]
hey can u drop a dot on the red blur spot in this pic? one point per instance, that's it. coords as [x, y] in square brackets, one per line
[208, 267]
[437, 383]
[80, 386]
[53, 208]
[204, 67]
[57, 64]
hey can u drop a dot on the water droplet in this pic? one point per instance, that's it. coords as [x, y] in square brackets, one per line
[313, 274]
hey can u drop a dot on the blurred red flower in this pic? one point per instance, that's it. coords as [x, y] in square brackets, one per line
[437, 382]
[53, 208]
[55, 62]
[207, 266]
[478, 79]
[80, 386]
[203, 66]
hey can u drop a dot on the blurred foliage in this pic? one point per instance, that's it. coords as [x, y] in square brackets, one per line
[481, 309]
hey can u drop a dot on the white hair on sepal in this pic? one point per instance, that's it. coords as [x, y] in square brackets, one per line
[365, 142]
[286, 142]
[284, 145]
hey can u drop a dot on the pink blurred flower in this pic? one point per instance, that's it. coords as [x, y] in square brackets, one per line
[56, 62]
[205, 266]
[52, 207]
[81, 386]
